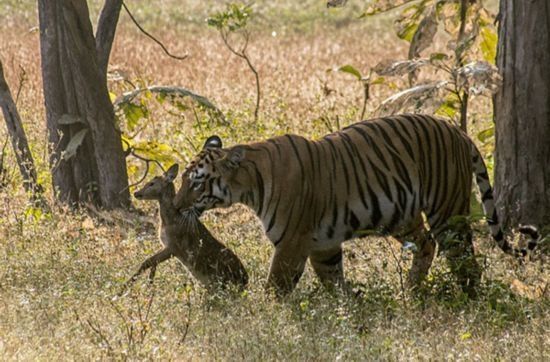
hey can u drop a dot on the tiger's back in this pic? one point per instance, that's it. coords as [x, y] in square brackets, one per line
[373, 175]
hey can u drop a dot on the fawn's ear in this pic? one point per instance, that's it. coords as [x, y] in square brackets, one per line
[213, 142]
[172, 172]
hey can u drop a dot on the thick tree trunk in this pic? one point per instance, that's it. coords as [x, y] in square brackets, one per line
[77, 99]
[18, 139]
[522, 113]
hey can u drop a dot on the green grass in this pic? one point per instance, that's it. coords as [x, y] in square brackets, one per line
[61, 276]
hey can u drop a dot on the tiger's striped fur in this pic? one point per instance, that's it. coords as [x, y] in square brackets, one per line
[380, 174]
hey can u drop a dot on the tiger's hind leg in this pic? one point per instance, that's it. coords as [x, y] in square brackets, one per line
[455, 242]
[423, 256]
[328, 266]
[422, 260]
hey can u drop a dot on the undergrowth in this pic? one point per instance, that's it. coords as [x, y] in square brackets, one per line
[60, 273]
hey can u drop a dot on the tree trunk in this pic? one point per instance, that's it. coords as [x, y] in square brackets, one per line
[19, 140]
[522, 113]
[77, 101]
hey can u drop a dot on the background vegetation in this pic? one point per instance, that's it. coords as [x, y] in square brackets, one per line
[60, 272]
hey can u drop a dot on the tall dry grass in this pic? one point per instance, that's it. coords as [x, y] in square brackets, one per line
[60, 273]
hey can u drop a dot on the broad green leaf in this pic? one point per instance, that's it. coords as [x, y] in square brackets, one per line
[350, 70]
[486, 134]
[74, 143]
[407, 32]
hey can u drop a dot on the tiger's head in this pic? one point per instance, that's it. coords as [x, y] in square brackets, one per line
[210, 180]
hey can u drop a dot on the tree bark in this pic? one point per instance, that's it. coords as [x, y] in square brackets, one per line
[18, 139]
[105, 33]
[522, 113]
[77, 99]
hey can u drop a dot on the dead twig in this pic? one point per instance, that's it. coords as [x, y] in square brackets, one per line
[398, 265]
[151, 36]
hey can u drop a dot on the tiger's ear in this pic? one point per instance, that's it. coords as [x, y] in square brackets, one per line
[172, 172]
[213, 142]
[235, 156]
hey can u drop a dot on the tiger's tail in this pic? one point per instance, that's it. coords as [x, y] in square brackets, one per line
[488, 203]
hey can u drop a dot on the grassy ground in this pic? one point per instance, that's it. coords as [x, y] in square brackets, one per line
[60, 273]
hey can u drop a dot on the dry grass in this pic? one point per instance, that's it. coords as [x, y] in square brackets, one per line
[60, 273]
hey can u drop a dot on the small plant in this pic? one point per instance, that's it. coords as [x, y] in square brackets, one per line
[366, 82]
[136, 112]
[234, 21]
[467, 62]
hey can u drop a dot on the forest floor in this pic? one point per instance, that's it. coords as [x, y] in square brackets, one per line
[60, 272]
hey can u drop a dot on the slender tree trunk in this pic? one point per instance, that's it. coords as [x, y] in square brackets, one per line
[522, 113]
[18, 139]
[77, 99]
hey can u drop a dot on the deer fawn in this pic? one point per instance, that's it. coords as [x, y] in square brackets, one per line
[186, 238]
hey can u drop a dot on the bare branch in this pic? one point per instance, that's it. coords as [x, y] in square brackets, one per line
[22, 79]
[152, 37]
[242, 54]
[19, 142]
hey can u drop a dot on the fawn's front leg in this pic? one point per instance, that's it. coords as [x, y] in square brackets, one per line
[150, 263]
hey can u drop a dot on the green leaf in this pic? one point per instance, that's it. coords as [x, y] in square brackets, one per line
[172, 95]
[488, 44]
[435, 57]
[449, 108]
[485, 135]
[235, 17]
[378, 80]
[74, 143]
[134, 113]
[350, 70]
[156, 151]
[407, 32]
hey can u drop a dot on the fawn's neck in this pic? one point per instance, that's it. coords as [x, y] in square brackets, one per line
[166, 205]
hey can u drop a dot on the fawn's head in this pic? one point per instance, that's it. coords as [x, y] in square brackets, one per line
[153, 189]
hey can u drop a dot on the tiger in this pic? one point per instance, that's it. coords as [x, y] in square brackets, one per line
[406, 176]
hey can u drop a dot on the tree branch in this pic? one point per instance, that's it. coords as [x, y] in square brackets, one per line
[152, 37]
[105, 33]
[19, 141]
